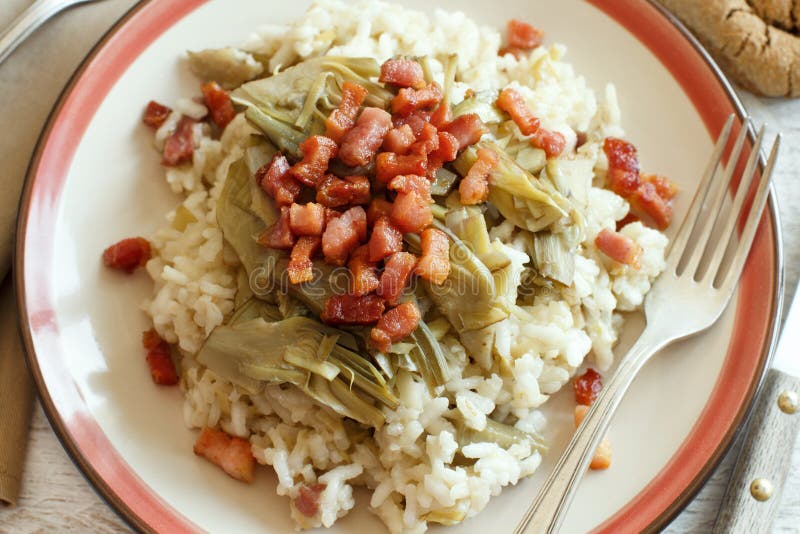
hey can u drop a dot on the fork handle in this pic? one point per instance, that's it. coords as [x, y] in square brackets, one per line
[25, 24]
[548, 510]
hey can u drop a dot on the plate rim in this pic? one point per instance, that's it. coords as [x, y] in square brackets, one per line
[126, 512]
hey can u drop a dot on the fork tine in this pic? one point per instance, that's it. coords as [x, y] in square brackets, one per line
[685, 231]
[731, 277]
[736, 209]
[717, 193]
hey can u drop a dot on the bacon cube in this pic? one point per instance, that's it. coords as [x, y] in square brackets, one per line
[467, 129]
[399, 140]
[363, 272]
[279, 235]
[317, 151]
[155, 115]
[395, 325]
[219, 103]
[385, 240]
[179, 147]
[343, 118]
[352, 310]
[409, 99]
[396, 273]
[402, 73]
[362, 142]
[127, 255]
[434, 264]
[301, 266]
[474, 187]
[307, 219]
[230, 453]
[618, 247]
[343, 234]
[275, 179]
[512, 102]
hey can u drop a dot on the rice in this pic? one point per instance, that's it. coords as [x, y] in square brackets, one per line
[410, 463]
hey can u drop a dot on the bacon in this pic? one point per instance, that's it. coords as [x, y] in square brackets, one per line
[522, 35]
[230, 453]
[307, 500]
[307, 219]
[378, 208]
[362, 142]
[447, 151]
[665, 188]
[352, 310]
[474, 188]
[411, 211]
[427, 140]
[395, 325]
[128, 254]
[396, 273]
[647, 200]
[602, 456]
[441, 115]
[159, 359]
[343, 234]
[335, 192]
[434, 265]
[385, 239]
[300, 267]
[587, 387]
[512, 102]
[402, 73]
[553, 143]
[279, 235]
[275, 180]
[155, 115]
[342, 119]
[318, 151]
[623, 166]
[467, 129]
[408, 99]
[618, 247]
[415, 120]
[179, 147]
[399, 139]
[363, 272]
[219, 103]
[388, 165]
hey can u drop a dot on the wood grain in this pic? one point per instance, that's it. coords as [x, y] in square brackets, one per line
[56, 498]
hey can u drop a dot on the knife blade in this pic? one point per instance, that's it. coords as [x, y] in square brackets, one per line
[754, 491]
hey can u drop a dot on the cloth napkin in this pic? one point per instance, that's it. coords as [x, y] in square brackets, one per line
[30, 82]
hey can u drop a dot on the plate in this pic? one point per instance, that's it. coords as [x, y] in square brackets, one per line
[94, 178]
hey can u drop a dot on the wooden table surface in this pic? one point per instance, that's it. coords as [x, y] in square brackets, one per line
[56, 497]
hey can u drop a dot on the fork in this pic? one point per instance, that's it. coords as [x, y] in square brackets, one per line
[37, 14]
[695, 278]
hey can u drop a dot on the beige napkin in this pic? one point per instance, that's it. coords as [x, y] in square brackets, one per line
[30, 82]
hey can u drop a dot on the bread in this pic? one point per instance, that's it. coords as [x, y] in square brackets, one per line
[756, 42]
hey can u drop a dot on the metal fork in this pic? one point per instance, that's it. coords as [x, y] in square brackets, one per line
[697, 280]
[30, 19]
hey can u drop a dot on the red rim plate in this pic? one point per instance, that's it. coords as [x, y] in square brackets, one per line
[714, 99]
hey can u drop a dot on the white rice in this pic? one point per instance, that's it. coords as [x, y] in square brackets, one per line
[409, 462]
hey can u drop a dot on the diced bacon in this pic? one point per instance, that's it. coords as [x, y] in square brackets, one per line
[434, 264]
[335, 192]
[318, 151]
[378, 207]
[307, 500]
[352, 310]
[411, 211]
[363, 272]
[623, 166]
[279, 235]
[447, 150]
[442, 115]
[587, 387]
[128, 254]
[512, 102]
[618, 247]
[343, 234]
[343, 118]
[399, 140]
[523, 35]
[602, 456]
[307, 219]
[230, 453]
[665, 188]
[219, 103]
[427, 140]
[474, 188]
[467, 129]
[553, 143]
[275, 180]
[625, 221]
[647, 200]
[159, 359]
[415, 120]
[402, 73]
[396, 273]
[395, 325]
[408, 99]
[155, 115]
[362, 142]
[179, 147]
[385, 240]
[388, 165]
[300, 267]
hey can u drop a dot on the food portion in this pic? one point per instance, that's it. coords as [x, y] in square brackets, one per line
[400, 233]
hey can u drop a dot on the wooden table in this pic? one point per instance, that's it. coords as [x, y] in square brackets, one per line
[56, 498]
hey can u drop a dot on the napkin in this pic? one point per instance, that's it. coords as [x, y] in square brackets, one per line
[30, 82]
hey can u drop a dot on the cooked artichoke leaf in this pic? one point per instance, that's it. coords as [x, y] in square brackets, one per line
[503, 435]
[552, 257]
[230, 67]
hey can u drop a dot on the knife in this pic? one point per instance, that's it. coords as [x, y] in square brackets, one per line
[754, 490]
